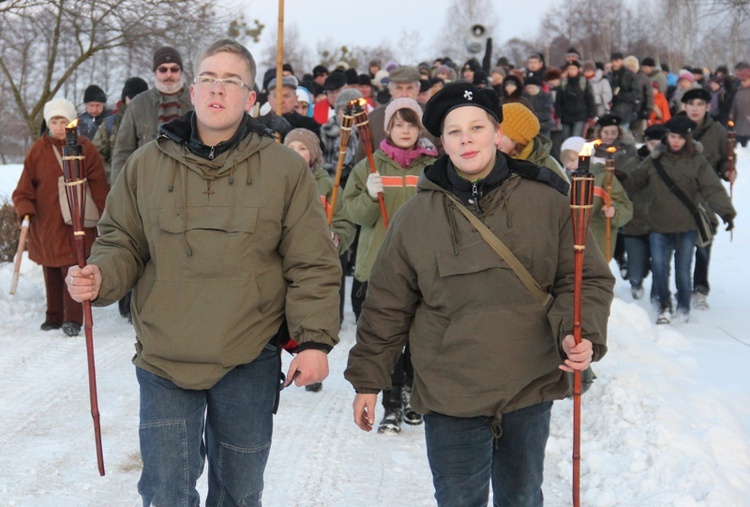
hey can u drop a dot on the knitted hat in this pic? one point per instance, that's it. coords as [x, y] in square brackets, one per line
[319, 70]
[519, 123]
[94, 94]
[573, 63]
[59, 107]
[455, 95]
[424, 85]
[687, 75]
[648, 62]
[681, 125]
[617, 56]
[404, 74]
[398, 104]
[574, 143]
[166, 54]
[364, 80]
[310, 140]
[696, 93]
[133, 87]
[346, 96]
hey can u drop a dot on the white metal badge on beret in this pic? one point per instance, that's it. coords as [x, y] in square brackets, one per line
[468, 95]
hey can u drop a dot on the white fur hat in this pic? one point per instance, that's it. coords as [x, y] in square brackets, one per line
[59, 107]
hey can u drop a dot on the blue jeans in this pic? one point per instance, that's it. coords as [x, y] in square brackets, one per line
[662, 248]
[231, 423]
[639, 255]
[464, 456]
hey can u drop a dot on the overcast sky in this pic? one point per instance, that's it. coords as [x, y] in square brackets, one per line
[385, 20]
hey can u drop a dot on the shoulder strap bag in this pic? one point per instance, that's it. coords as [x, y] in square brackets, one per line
[706, 229]
[504, 252]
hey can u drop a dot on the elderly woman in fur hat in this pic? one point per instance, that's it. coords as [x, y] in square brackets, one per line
[51, 242]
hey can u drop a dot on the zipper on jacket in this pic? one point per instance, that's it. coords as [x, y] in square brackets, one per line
[475, 196]
[211, 153]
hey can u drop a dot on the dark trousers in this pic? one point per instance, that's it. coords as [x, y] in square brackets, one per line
[700, 273]
[60, 306]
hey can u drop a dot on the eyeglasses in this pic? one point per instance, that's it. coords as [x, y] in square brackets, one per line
[230, 83]
[173, 70]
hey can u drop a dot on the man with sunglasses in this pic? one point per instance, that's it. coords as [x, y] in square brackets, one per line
[220, 232]
[166, 101]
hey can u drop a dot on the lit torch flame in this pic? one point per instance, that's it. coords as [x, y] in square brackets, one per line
[730, 123]
[611, 150]
[588, 148]
[72, 124]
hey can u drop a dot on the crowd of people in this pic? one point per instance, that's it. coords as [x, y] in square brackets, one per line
[236, 207]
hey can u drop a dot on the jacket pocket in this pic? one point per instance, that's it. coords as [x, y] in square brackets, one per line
[187, 246]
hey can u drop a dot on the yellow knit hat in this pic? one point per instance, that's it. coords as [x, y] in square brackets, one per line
[519, 123]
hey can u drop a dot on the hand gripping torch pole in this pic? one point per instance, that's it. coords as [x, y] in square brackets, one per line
[19, 254]
[346, 131]
[75, 190]
[581, 204]
[365, 137]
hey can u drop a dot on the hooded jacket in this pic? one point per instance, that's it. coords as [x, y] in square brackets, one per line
[481, 345]
[220, 245]
[695, 177]
[399, 185]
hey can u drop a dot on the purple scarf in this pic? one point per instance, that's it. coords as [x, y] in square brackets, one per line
[403, 157]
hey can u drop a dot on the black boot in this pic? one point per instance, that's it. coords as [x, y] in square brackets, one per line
[391, 423]
[410, 415]
[71, 328]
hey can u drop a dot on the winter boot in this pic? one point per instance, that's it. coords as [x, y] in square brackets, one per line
[71, 328]
[49, 326]
[391, 423]
[410, 415]
[314, 388]
[700, 301]
[665, 314]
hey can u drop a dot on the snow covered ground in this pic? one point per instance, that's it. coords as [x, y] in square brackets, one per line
[667, 423]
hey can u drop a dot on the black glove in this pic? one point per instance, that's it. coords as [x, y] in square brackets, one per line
[728, 220]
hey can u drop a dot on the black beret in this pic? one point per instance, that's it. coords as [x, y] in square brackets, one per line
[681, 125]
[455, 95]
[608, 120]
[696, 93]
[655, 131]
[335, 80]
[648, 62]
